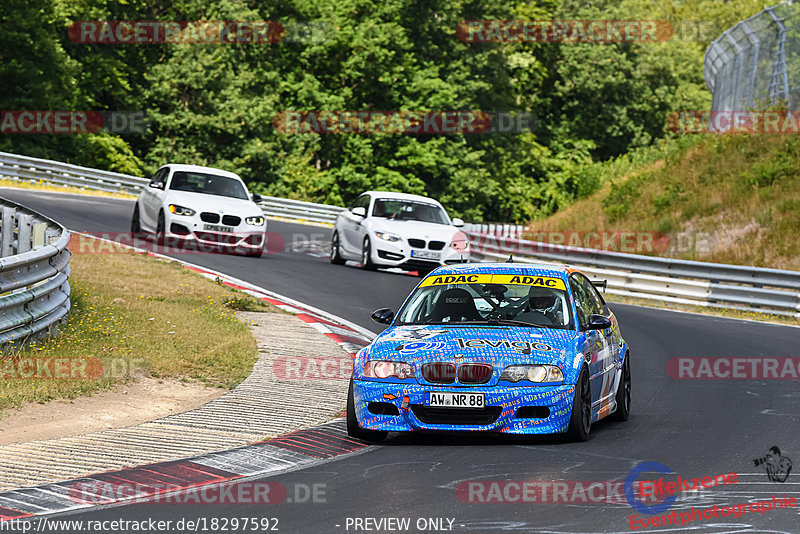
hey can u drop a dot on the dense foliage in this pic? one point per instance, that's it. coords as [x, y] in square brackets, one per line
[214, 104]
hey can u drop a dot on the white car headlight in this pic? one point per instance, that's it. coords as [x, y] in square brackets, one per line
[388, 237]
[180, 210]
[258, 220]
[533, 373]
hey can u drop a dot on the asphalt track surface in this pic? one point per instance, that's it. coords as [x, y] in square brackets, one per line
[697, 428]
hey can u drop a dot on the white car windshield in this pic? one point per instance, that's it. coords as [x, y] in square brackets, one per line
[512, 304]
[408, 210]
[209, 184]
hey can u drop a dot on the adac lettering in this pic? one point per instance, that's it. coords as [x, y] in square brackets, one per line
[520, 346]
[534, 281]
[456, 279]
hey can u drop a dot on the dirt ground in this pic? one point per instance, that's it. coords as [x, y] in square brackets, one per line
[128, 404]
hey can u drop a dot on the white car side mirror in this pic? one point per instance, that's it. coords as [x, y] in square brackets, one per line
[360, 211]
[457, 222]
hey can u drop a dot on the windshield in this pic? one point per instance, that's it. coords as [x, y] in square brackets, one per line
[515, 304]
[210, 184]
[408, 210]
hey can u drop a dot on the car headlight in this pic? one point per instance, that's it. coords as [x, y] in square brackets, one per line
[386, 369]
[460, 241]
[388, 237]
[180, 210]
[533, 373]
[258, 220]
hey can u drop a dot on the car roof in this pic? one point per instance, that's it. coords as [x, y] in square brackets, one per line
[401, 196]
[199, 168]
[523, 269]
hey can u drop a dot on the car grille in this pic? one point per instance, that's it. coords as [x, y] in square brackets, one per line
[456, 416]
[439, 372]
[474, 373]
[209, 217]
[416, 243]
[436, 245]
[231, 220]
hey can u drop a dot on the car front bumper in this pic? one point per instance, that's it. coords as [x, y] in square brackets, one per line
[401, 254]
[189, 231]
[547, 408]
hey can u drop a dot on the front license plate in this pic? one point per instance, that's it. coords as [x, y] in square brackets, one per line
[424, 254]
[217, 228]
[454, 400]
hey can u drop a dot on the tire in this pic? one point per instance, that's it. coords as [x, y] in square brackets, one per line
[353, 428]
[160, 229]
[366, 256]
[136, 226]
[336, 257]
[623, 397]
[580, 422]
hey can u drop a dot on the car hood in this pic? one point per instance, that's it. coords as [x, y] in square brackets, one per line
[214, 203]
[497, 345]
[438, 232]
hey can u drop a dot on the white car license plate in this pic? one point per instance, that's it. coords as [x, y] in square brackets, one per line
[454, 400]
[217, 228]
[424, 254]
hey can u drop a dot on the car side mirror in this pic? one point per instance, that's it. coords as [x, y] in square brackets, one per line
[598, 322]
[360, 211]
[383, 316]
[458, 222]
[157, 185]
[257, 198]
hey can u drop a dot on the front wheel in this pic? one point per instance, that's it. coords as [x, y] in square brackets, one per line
[366, 256]
[580, 422]
[354, 430]
[136, 226]
[336, 256]
[623, 398]
[160, 230]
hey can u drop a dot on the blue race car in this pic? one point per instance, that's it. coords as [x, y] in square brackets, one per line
[499, 347]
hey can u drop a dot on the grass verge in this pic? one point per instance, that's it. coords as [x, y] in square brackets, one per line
[134, 315]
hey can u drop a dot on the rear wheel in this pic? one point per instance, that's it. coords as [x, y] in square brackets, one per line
[623, 398]
[580, 422]
[353, 428]
[366, 256]
[336, 257]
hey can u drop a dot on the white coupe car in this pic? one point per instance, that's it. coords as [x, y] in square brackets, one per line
[207, 206]
[384, 229]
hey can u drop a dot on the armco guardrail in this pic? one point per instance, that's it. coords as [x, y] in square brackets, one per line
[299, 210]
[659, 279]
[27, 169]
[34, 274]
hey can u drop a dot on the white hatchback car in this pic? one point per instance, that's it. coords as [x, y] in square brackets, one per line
[209, 207]
[384, 229]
